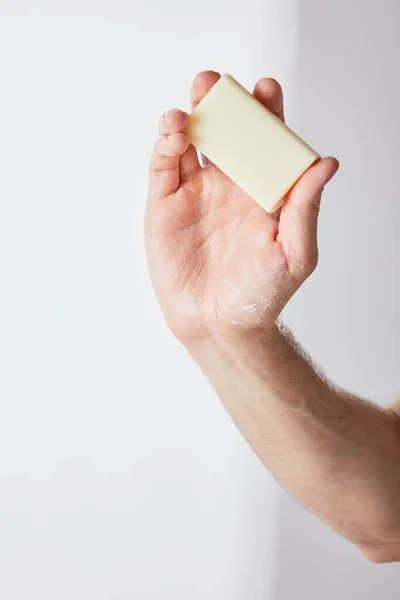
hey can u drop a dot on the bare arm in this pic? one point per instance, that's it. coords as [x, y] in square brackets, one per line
[223, 269]
[337, 454]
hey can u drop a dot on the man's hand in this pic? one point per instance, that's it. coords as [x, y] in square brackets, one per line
[217, 260]
[220, 265]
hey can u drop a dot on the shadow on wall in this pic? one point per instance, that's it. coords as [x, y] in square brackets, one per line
[347, 93]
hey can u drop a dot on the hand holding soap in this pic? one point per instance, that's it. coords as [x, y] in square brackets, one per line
[249, 143]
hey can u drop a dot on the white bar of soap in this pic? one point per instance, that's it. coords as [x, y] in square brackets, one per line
[248, 143]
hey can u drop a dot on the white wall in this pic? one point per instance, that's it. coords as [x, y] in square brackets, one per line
[121, 476]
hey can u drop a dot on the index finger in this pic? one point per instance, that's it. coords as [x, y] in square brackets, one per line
[201, 85]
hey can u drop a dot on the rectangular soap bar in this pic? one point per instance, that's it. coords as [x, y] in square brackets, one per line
[248, 143]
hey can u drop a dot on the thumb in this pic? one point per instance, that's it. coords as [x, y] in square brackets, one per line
[299, 217]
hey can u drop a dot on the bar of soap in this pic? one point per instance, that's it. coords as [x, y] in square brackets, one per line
[248, 143]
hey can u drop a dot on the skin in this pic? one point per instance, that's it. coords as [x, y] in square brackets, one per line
[223, 269]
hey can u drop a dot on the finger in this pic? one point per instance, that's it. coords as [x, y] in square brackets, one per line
[299, 217]
[189, 164]
[269, 92]
[164, 172]
[174, 121]
[173, 157]
[201, 85]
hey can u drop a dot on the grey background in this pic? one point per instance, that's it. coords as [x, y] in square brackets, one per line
[347, 92]
[121, 476]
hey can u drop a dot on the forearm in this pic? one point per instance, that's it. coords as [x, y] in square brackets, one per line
[337, 454]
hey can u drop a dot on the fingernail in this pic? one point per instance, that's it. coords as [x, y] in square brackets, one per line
[204, 162]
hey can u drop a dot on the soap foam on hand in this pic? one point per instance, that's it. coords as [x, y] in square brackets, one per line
[250, 144]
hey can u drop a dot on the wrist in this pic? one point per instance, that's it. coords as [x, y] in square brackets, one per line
[235, 344]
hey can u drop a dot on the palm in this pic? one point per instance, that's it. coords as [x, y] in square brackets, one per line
[216, 257]
[219, 251]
